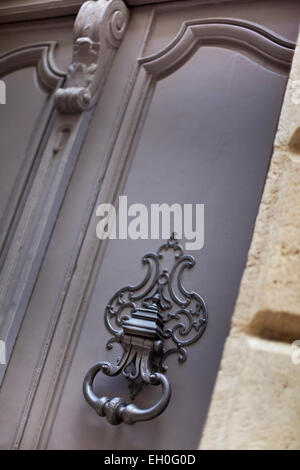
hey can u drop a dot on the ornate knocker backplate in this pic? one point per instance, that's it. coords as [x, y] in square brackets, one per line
[144, 319]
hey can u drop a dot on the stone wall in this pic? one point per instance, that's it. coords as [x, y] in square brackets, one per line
[256, 402]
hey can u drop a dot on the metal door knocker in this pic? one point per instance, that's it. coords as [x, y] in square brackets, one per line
[142, 319]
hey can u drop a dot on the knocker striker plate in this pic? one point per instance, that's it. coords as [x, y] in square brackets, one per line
[144, 319]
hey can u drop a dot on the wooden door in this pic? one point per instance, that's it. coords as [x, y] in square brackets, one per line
[187, 115]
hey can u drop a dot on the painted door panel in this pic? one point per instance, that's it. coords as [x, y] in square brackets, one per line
[206, 138]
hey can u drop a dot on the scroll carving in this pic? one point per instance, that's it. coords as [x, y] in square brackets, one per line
[98, 30]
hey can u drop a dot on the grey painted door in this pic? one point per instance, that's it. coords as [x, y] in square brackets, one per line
[193, 122]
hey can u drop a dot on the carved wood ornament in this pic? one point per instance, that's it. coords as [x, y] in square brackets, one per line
[98, 30]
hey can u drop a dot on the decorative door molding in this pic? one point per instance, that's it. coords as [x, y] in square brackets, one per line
[58, 147]
[261, 45]
[20, 10]
[39, 55]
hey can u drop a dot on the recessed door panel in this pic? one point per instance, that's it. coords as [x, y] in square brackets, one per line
[206, 138]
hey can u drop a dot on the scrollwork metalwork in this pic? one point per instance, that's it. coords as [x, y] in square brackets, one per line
[142, 318]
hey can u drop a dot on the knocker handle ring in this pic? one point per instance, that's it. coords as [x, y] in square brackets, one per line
[116, 409]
